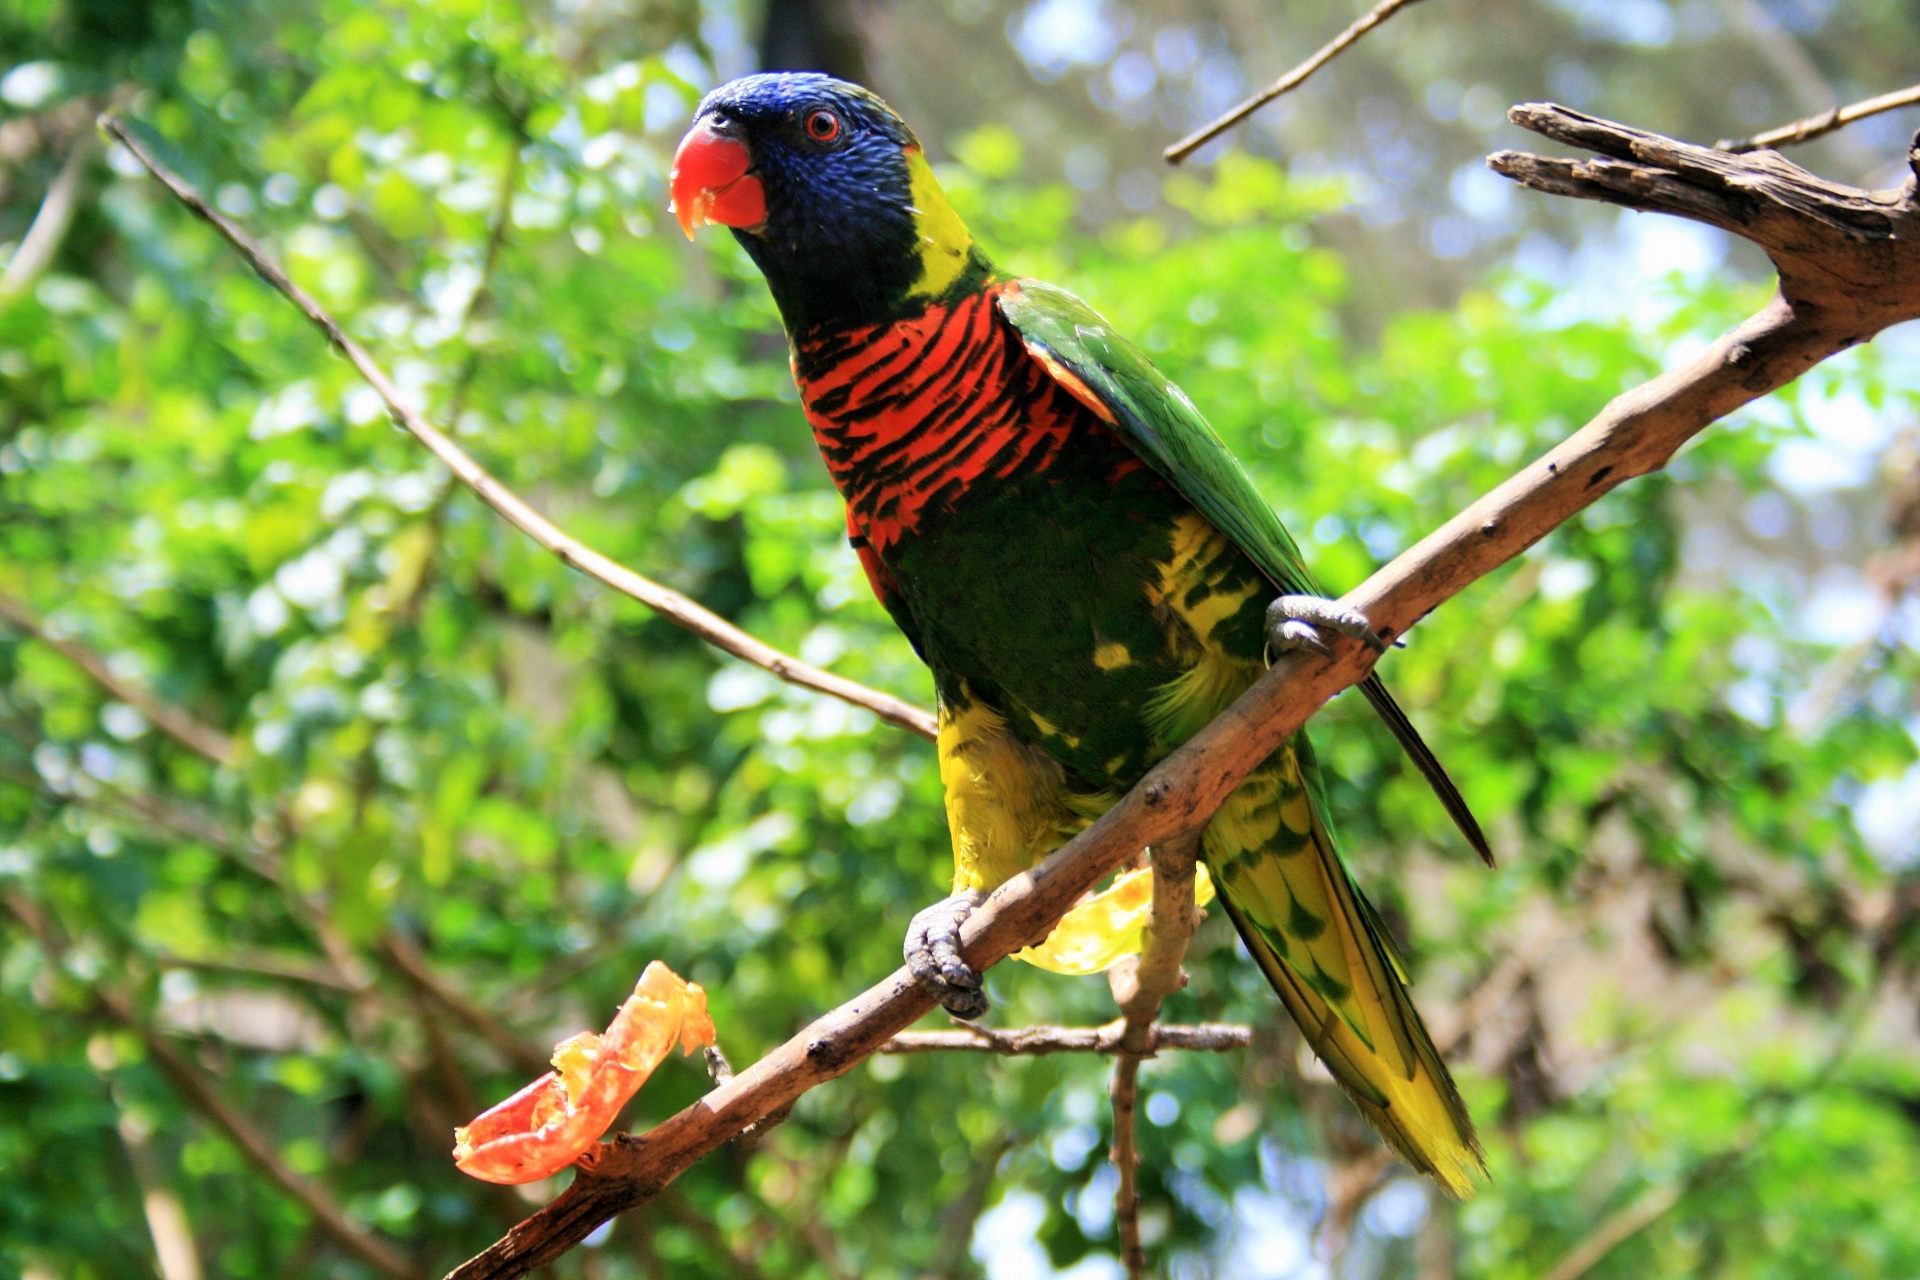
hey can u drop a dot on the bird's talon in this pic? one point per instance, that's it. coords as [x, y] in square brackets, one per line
[1295, 634]
[933, 955]
[1293, 624]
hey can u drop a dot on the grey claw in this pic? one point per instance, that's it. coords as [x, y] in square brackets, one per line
[1295, 634]
[933, 955]
[1293, 622]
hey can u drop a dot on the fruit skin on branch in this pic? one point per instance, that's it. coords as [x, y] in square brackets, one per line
[549, 1124]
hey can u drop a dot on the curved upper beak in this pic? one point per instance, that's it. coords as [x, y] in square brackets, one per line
[712, 181]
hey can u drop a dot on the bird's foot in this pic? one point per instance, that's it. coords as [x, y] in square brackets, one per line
[933, 955]
[1293, 624]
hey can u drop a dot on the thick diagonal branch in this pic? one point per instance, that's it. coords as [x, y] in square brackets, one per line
[1849, 269]
[670, 604]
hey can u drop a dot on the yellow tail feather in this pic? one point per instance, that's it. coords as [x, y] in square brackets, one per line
[1322, 949]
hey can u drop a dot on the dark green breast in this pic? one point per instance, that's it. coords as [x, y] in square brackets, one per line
[1088, 603]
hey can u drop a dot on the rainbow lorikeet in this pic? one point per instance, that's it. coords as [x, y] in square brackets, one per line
[1076, 555]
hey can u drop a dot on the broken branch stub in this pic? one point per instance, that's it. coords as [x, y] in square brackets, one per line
[1849, 260]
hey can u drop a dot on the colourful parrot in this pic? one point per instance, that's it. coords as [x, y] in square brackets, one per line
[1074, 553]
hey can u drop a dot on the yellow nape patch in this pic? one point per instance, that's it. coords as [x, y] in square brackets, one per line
[944, 240]
[1112, 655]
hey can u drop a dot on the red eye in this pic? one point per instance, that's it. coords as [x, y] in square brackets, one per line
[823, 126]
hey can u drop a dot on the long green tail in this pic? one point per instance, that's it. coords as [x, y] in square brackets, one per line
[1323, 949]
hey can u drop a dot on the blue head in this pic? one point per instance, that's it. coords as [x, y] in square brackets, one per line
[829, 192]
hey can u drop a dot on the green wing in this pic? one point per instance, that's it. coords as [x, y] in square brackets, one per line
[1160, 424]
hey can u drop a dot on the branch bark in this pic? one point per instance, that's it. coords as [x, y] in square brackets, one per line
[177, 724]
[1141, 983]
[1649, 1208]
[49, 228]
[204, 1096]
[1123, 1095]
[1208, 1037]
[406, 957]
[1140, 986]
[1849, 268]
[573, 553]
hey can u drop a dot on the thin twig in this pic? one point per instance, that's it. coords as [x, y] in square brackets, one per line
[1654, 1203]
[1205, 1037]
[1140, 986]
[1788, 135]
[261, 964]
[168, 718]
[665, 601]
[1287, 83]
[204, 1096]
[704, 1228]
[1647, 1209]
[49, 227]
[406, 957]
[1124, 1094]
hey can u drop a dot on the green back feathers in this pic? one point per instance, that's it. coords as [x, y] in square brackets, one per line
[1159, 423]
[1169, 434]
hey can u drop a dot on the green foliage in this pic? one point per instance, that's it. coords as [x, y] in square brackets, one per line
[442, 733]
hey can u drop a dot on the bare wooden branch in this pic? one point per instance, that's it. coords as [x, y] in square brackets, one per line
[524, 1055]
[1615, 1228]
[1287, 83]
[1849, 268]
[670, 604]
[174, 1251]
[262, 964]
[1140, 985]
[1819, 126]
[171, 720]
[1123, 1095]
[204, 1096]
[1206, 1037]
[49, 227]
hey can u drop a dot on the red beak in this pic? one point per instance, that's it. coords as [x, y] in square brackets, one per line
[711, 183]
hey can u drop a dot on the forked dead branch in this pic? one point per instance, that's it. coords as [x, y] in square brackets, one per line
[1848, 268]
